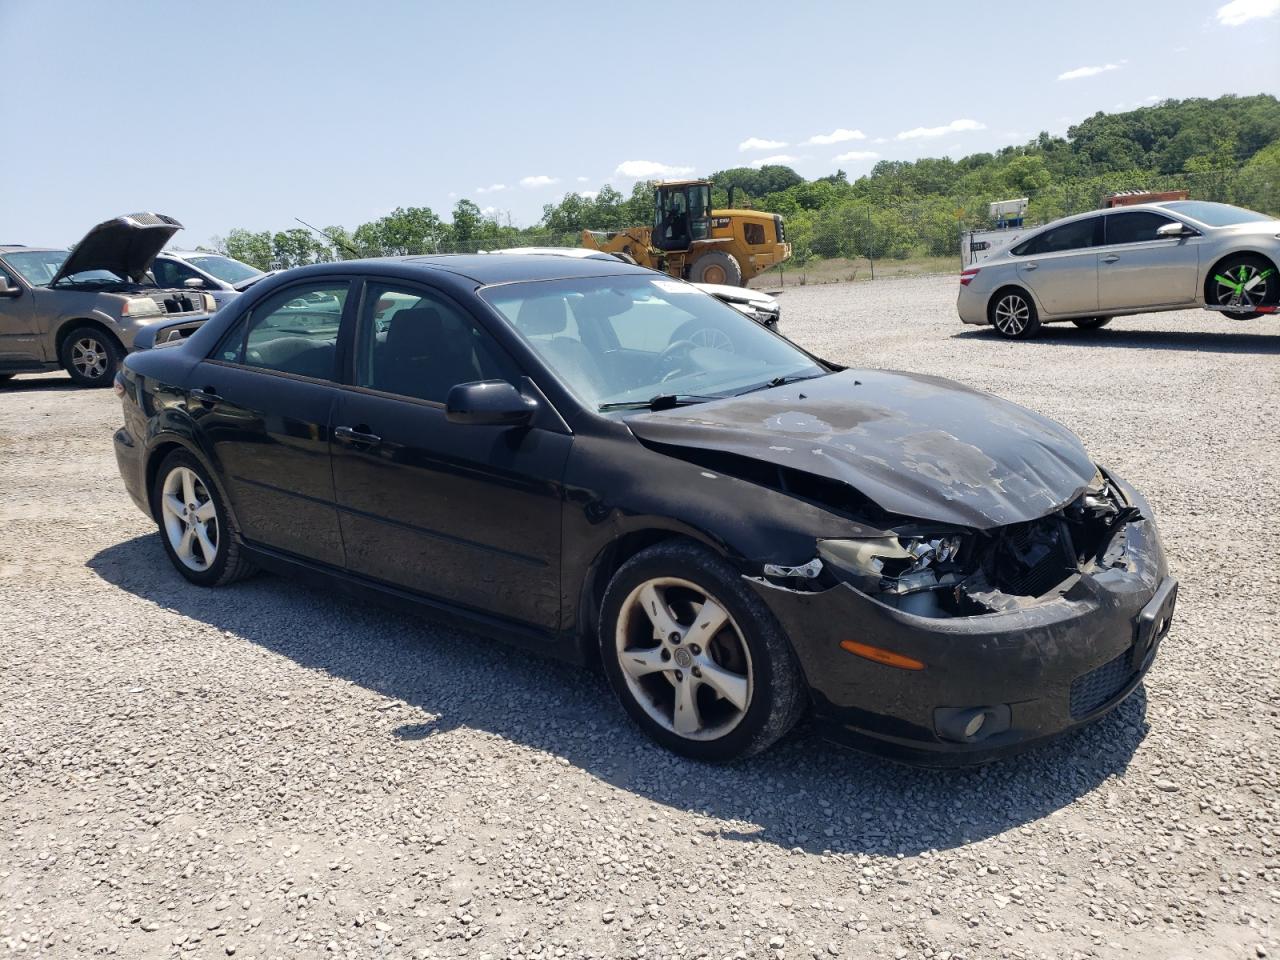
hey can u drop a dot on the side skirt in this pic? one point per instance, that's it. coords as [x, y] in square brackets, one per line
[554, 645]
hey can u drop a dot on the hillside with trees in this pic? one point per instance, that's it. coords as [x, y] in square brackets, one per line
[1224, 149]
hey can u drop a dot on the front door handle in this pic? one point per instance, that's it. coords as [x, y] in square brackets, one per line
[206, 395]
[1032, 266]
[352, 435]
[1111, 258]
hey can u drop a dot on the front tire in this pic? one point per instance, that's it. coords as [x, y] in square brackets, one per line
[1013, 315]
[1242, 281]
[91, 356]
[697, 660]
[193, 523]
[717, 267]
[1091, 323]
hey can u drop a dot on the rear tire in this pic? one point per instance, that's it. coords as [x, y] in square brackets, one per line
[200, 542]
[91, 356]
[1224, 285]
[717, 267]
[1012, 314]
[1091, 323]
[714, 683]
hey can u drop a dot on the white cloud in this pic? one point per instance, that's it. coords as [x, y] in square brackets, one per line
[1236, 12]
[836, 136]
[582, 179]
[489, 212]
[776, 160]
[880, 140]
[955, 126]
[648, 169]
[541, 180]
[1080, 72]
[757, 143]
[588, 194]
[855, 155]
[492, 188]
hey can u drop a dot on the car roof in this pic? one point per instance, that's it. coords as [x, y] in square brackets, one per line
[20, 248]
[490, 268]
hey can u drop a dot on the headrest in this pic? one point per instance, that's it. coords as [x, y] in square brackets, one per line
[541, 316]
[414, 332]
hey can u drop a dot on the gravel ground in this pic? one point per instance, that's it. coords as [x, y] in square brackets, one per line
[267, 771]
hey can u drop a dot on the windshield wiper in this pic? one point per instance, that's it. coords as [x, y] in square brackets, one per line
[663, 401]
[781, 382]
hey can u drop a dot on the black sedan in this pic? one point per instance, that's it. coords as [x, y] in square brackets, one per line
[610, 466]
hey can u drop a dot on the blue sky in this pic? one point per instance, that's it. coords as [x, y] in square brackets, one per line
[227, 113]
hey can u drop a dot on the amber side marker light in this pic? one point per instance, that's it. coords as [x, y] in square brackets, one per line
[881, 655]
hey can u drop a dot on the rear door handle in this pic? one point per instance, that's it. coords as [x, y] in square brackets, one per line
[352, 435]
[206, 395]
[1111, 258]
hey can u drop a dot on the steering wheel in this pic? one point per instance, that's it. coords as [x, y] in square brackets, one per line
[673, 357]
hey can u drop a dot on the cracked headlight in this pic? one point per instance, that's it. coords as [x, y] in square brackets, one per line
[895, 565]
[141, 307]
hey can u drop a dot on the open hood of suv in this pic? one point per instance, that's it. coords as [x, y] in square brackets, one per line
[125, 246]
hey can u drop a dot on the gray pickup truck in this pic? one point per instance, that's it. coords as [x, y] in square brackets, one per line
[81, 309]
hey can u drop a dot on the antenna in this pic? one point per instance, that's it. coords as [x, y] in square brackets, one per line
[332, 239]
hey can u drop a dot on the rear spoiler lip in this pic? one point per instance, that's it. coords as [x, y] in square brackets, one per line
[158, 334]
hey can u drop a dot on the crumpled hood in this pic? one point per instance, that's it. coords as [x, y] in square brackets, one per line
[918, 446]
[126, 246]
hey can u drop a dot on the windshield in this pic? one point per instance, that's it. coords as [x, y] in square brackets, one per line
[38, 267]
[624, 340]
[1215, 214]
[224, 268]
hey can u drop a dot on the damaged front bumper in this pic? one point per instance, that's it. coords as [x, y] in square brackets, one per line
[1030, 673]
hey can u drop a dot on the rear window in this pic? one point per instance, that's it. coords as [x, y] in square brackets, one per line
[1076, 235]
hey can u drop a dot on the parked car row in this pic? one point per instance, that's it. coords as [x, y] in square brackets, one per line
[1143, 258]
[82, 309]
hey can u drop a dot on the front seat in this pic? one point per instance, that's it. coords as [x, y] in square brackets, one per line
[426, 355]
[542, 320]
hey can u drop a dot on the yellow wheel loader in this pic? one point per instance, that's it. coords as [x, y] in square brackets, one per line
[691, 241]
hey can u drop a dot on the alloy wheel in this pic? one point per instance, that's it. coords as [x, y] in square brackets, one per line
[684, 659]
[1011, 314]
[90, 358]
[190, 518]
[1245, 286]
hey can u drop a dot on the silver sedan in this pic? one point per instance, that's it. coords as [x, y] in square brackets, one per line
[1137, 259]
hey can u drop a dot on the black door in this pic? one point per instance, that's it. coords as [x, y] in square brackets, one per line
[465, 514]
[263, 403]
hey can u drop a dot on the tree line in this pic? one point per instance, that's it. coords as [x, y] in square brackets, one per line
[1225, 149]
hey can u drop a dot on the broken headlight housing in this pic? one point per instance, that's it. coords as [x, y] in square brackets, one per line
[904, 571]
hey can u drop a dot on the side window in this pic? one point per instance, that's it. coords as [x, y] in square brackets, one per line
[170, 273]
[1069, 236]
[1137, 226]
[753, 233]
[295, 330]
[415, 344]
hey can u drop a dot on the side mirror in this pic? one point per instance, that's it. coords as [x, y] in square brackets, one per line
[7, 289]
[1174, 231]
[193, 283]
[488, 403]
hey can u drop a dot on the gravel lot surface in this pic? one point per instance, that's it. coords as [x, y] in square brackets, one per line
[266, 771]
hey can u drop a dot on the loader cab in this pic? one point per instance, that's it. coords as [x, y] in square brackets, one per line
[682, 214]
